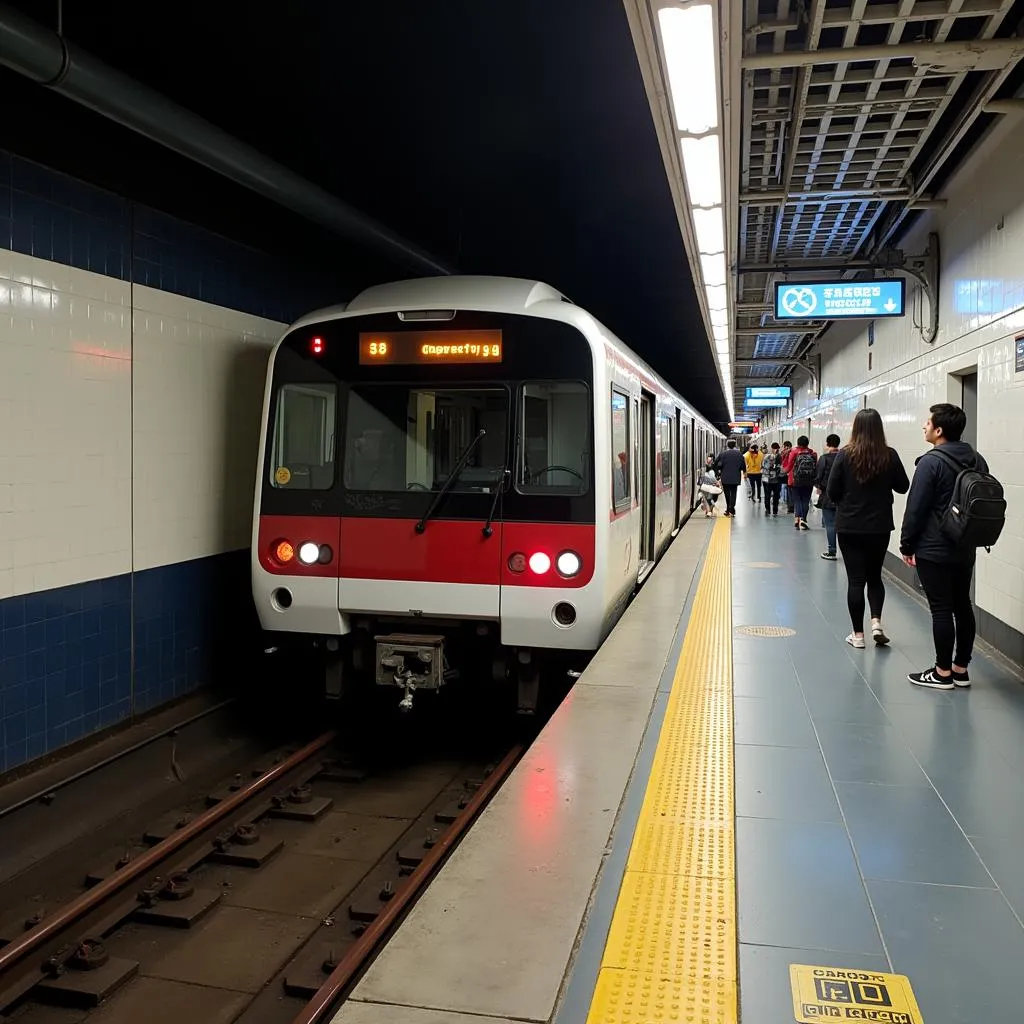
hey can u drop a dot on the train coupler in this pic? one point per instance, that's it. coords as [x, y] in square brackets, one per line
[411, 662]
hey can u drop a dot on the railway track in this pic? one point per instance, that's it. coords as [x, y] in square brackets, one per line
[261, 909]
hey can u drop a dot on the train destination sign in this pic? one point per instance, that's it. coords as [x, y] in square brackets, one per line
[840, 300]
[778, 391]
[765, 403]
[416, 347]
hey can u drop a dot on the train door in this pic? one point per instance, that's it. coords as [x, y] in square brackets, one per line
[645, 482]
[680, 473]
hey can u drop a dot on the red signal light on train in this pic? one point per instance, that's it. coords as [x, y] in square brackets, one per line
[316, 346]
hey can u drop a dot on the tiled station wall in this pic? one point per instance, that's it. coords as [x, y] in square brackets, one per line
[892, 369]
[133, 349]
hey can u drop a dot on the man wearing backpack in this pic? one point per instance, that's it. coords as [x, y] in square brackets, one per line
[954, 507]
[801, 463]
[730, 468]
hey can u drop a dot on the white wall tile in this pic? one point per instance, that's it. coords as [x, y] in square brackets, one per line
[199, 376]
[73, 381]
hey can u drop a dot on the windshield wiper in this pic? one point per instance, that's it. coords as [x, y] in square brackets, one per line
[452, 477]
[499, 485]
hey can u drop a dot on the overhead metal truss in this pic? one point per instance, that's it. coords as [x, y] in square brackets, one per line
[851, 109]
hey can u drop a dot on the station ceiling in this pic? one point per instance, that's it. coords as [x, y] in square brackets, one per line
[503, 137]
[855, 113]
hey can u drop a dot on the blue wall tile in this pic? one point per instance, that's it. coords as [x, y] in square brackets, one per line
[53, 216]
[68, 666]
[85, 657]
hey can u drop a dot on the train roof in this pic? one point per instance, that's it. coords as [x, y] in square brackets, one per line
[492, 294]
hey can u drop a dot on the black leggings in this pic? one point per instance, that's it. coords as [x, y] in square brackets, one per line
[948, 589]
[863, 554]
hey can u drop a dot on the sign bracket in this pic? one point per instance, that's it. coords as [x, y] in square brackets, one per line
[925, 269]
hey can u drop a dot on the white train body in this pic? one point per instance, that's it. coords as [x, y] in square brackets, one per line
[449, 458]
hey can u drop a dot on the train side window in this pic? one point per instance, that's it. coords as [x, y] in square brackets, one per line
[302, 457]
[555, 451]
[621, 472]
[665, 448]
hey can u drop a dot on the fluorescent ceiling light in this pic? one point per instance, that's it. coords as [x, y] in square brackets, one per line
[719, 317]
[688, 36]
[722, 348]
[720, 333]
[718, 296]
[712, 269]
[707, 224]
[703, 170]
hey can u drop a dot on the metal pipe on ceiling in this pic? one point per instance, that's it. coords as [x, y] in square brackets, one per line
[1007, 106]
[823, 195]
[974, 55]
[771, 361]
[51, 61]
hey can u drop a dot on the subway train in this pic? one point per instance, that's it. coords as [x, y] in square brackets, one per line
[462, 478]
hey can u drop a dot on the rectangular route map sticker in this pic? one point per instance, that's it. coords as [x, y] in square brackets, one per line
[843, 994]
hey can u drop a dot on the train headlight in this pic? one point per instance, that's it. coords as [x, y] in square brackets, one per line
[284, 552]
[308, 552]
[539, 563]
[568, 564]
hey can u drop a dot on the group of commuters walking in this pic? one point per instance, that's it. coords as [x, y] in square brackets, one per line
[954, 506]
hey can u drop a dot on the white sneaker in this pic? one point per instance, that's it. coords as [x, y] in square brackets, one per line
[855, 641]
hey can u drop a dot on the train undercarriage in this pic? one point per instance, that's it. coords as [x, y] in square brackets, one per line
[386, 656]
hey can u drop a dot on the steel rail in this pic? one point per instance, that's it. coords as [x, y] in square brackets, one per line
[91, 769]
[17, 950]
[359, 953]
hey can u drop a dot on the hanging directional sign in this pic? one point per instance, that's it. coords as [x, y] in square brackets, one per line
[765, 403]
[839, 300]
[778, 391]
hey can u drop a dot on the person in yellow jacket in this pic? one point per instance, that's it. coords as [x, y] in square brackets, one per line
[753, 459]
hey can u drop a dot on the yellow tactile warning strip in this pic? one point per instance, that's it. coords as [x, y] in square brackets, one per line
[671, 950]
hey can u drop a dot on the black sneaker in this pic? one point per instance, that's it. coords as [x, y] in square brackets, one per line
[930, 678]
[803, 525]
[961, 679]
[829, 556]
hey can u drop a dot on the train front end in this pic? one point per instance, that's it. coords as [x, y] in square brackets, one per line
[426, 502]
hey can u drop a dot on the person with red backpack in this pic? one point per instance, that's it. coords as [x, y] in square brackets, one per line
[801, 464]
[955, 506]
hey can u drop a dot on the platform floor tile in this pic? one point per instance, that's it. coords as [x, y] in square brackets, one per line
[920, 871]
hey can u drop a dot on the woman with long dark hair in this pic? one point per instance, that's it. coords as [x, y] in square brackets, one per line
[864, 476]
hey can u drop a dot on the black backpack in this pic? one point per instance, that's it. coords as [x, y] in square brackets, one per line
[803, 470]
[977, 511]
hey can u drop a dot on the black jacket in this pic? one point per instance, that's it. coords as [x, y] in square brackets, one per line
[929, 497]
[865, 507]
[821, 478]
[730, 467]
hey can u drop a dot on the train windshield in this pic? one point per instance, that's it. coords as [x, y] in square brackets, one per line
[401, 437]
[555, 452]
[303, 453]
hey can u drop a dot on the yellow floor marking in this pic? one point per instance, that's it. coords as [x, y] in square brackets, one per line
[671, 949]
[837, 993]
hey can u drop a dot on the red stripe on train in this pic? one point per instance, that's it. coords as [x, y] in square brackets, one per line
[448, 551]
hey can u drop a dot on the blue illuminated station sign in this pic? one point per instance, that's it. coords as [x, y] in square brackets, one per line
[777, 391]
[840, 300]
[766, 403]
